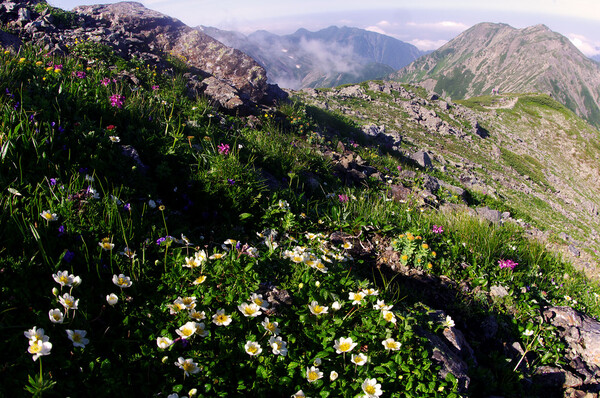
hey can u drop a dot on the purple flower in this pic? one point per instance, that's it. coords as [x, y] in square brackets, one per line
[53, 181]
[507, 264]
[127, 206]
[79, 74]
[437, 229]
[105, 81]
[69, 256]
[343, 198]
[155, 87]
[230, 181]
[117, 101]
[223, 149]
[61, 230]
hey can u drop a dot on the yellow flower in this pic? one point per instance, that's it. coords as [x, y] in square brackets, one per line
[200, 279]
[425, 246]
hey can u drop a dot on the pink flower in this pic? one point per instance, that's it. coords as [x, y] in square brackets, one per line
[507, 264]
[223, 149]
[436, 229]
[343, 198]
[117, 100]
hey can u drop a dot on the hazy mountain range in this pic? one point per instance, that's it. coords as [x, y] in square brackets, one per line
[326, 58]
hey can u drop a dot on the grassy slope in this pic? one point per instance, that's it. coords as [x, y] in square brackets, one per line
[162, 166]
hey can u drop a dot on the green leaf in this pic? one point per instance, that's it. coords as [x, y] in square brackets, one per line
[243, 216]
[262, 372]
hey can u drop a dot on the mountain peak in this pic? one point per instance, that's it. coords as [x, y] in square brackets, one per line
[490, 57]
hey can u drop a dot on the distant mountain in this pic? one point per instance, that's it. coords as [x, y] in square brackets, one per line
[596, 57]
[497, 56]
[325, 58]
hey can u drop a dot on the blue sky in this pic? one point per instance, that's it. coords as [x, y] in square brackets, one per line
[425, 23]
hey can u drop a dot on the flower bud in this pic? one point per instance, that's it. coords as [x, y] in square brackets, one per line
[55, 291]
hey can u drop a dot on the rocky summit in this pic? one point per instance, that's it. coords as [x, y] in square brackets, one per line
[490, 58]
[231, 79]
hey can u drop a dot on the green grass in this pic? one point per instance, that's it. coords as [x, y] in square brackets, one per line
[204, 211]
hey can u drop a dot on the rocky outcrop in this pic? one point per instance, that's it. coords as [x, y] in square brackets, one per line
[231, 78]
[582, 336]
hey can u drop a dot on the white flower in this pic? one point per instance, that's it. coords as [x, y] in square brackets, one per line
[105, 244]
[77, 337]
[68, 301]
[391, 345]
[56, 316]
[187, 365]
[127, 252]
[344, 344]
[388, 316]
[121, 280]
[359, 359]
[63, 278]
[163, 342]
[336, 305]
[371, 388]
[187, 330]
[448, 323]
[382, 306]
[199, 280]
[197, 315]
[221, 319]
[317, 309]
[278, 345]
[298, 394]
[76, 280]
[371, 292]
[313, 374]
[46, 215]
[114, 138]
[201, 329]
[252, 348]
[250, 310]
[39, 348]
[34, 335]
[271, 326]
[333, 375]
[152, 204]
[528, 332]
[356, 297]
[112, 299]
[258, 300]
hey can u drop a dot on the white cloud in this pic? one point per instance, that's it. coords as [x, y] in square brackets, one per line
[427, 45]
[585, 45]
[376, 29]
[442, 25]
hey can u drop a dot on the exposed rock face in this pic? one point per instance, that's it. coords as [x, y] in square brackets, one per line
[582, 335]
[232, 79]
[163, 33]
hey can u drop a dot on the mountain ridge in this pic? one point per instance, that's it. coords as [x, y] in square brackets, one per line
[491, 56]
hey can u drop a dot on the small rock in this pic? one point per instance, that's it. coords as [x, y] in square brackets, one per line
[423, 159]
[498, 291]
